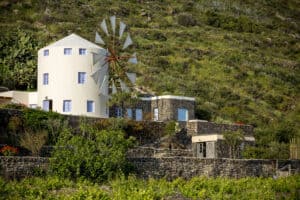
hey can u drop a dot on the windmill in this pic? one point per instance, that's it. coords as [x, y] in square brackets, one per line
[111, 65]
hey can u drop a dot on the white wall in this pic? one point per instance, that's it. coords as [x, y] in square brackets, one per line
[63, 81]
[22, 97]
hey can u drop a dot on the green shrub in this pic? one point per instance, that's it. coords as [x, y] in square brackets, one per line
[96, 155]
[186, 19]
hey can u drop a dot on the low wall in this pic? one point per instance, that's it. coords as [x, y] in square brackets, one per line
[22, 166]
[148, 152]
[196, 127]
[186, 167]
[168, 167]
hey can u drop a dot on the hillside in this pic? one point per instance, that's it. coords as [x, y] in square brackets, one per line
[240, 59]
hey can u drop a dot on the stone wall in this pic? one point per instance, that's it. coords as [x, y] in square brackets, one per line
[168, 167]
[19, 167]
[187, 167]
[196, 127]
[167, 108]
[147, 152]
[220, 149]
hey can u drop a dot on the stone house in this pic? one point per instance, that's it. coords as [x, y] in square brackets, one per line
[208, 138]
[159, 108]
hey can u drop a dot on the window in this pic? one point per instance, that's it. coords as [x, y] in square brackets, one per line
[67, 106]
[90, 106]
[82, 51]
[81, 77]
[138, 115]
[155, 114]
[46, 52]
[182, 114]
[45, 79]
[129, 113]
[46, 105]
[118, 112]
[202, 149]
[67, 51]
[32, 106]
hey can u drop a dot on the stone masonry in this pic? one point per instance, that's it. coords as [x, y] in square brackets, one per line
[187, 167]
[168, 167]
[167, 107]
[208, 140]
[22, 166]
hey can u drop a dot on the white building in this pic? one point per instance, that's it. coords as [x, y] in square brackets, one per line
[65, 85]
[64, 79]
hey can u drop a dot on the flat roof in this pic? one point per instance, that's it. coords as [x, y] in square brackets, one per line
[168, 97]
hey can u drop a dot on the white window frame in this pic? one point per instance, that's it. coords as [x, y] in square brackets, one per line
[45, 78]
[67, 105]
[46, 52]
[82, 51]
[92, 104]
[67, 51]
[81, 77]
[179, 114]
[138, 114]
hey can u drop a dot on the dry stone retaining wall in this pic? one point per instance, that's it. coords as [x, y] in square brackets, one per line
[168, 167]
[187, 167]
[22, 166]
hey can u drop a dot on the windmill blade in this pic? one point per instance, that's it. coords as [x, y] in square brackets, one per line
[133, 59]
[98, 55]
[98, 39]
[113, 23]
[124, 86]
[99, 61]
[122, 29]
[124, 80]
[114, 88]
[128, 42]
[104, 27]
[99, 74]
[104, 86]
[131, 77]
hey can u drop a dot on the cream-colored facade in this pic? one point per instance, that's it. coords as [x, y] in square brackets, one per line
[65, 84]
[29, 99]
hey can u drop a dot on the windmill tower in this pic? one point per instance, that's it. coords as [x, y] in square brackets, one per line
[77, 77]
[65, 84]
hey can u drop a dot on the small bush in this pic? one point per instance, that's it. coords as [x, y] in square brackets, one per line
[186, 19]
[34, 141]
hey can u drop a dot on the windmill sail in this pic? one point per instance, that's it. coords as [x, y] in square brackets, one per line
[128, 42]
[104, 86]
[104, 27]
[133, 59]
[99, 74]
[124, 86]
[98, 39]
[122, 29]
[114, 88]
[108, 71]
[113, 23]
